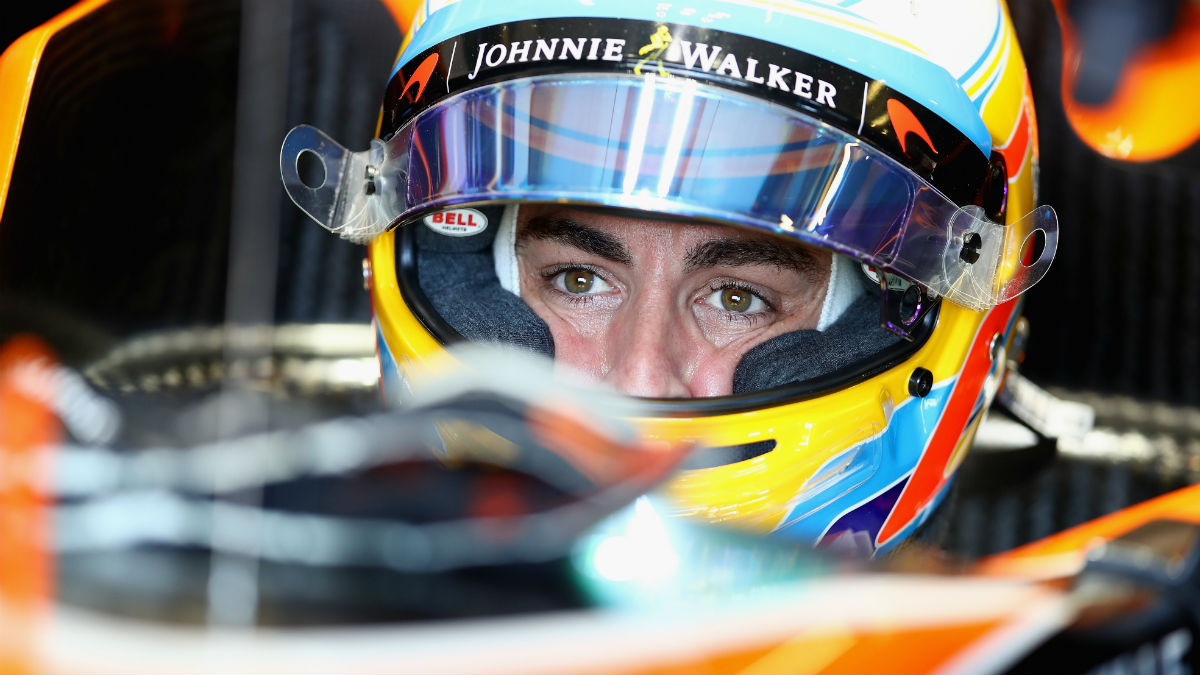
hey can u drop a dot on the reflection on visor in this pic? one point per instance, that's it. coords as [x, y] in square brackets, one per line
[677, 147]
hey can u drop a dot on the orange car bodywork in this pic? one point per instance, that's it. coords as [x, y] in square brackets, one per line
[1152, 113]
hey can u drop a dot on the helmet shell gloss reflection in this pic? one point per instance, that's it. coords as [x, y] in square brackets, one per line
[933, 91]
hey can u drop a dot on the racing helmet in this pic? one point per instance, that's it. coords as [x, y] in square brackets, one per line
[900, 136]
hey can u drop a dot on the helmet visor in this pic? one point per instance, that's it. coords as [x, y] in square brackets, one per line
[674, 146]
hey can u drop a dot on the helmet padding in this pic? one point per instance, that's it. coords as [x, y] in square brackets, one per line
[804, 354]
[458, 276]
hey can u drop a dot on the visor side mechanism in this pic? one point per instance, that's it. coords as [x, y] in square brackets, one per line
[904, 305]
[986, 263]
[345, 202]
[972, 242]
[369, 188]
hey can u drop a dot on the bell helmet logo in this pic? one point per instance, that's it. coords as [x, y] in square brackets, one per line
[457, 222]
[905, 123]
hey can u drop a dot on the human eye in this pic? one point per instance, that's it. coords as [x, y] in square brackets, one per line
[737, 301]
[579, 281]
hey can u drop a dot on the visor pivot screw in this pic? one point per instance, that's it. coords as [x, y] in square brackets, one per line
[370, 186]
[972, 242]
[920, 383]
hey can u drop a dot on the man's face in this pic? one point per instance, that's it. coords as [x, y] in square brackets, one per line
[659, 308]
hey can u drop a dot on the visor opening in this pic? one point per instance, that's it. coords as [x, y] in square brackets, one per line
[452, 286]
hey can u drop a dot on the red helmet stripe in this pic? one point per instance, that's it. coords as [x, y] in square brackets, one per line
[929, 475]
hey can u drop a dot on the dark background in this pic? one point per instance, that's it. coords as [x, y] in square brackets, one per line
[153, 200]
[1118, 311]
[16, 18]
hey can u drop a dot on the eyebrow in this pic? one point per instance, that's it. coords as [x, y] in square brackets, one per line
[730, 252]
[724, 251]
[574, 233]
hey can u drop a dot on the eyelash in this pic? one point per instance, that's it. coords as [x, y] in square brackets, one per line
[573, 298]
[739, 317]
[747, 320]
